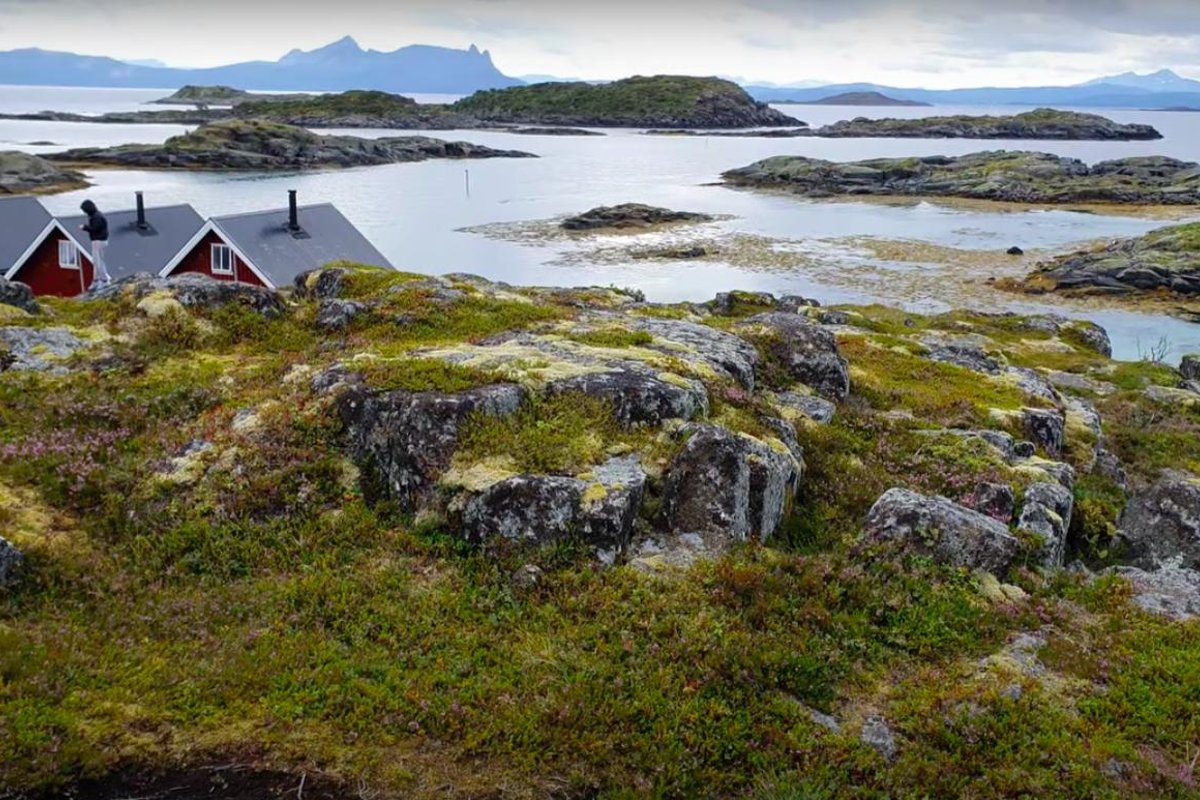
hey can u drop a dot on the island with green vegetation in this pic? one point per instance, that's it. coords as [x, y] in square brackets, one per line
[254, 145]
[864, 99]
[662, 101]
[22, 173]
[1043, 123]
[1006, 176]
[1165, 260]
[219, 96]
[388, 535]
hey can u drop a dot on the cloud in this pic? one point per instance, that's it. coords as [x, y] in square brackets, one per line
[938, 43]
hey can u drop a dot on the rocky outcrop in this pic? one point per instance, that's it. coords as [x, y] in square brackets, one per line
[795, 350]
[1166, 259]
[1045, 428]
[190, 290]
[543, 508]
[1171, 591]
[995, 500]
[1047, 513]
[727, 355]
[22, 173]
[1189, 367]
[336, 315]
[942, 529]
[639, 398]
[407, 440]
[1042, 123]
[728, 488]
[37, 349]
[1016, 177]
[18, 295]
[630, 215]
[253, 145]
[661, 101]
[1162, 523]
[11, 561]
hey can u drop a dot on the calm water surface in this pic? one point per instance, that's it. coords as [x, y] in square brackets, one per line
[415, 213]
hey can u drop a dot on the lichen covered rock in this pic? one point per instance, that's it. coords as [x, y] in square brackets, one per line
[537, 509]
[801, 351]
[1047, 512]
[18, 295]
[946, 531]
[639, 398]
[407, 440]
[1162, 523]
[727, 487]
[11, 561]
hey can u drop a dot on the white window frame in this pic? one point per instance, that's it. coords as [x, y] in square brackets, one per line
[69, 248]
[225, 250]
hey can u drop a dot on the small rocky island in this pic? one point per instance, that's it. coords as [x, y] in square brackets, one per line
[219, 96]
[1043, 123]
[629, 216]
[22, 173]
[1006, 176]
[258, 145]
[864, 99]
[1165, 260]
[663, 101]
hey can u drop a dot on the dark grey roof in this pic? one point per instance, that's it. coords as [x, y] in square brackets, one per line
[130, 251]
[325, 236]
[21, 220]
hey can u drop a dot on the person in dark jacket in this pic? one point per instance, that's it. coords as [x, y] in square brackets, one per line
[96, 228]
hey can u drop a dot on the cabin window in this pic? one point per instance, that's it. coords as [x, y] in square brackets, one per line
[68, 254]
[222, 259]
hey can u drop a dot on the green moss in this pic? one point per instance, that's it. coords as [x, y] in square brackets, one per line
[424, 375]
[566, 435]
[934, 392]
[612, 337]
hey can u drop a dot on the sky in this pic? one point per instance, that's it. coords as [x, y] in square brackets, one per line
[931, 43]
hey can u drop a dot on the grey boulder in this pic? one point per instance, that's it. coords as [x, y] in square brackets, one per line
[728, 488]
[11, 561]
[1045, 428]
[803, 351]
[942, 529]
[14, 293]
[639, 398]
[1170, 591]
[1047, 512]
[406, 440]
[1162, 523]
[537, 509]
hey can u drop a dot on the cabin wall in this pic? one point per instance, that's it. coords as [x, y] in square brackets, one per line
[43, 274]
[200, 260]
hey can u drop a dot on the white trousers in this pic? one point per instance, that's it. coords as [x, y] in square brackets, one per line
[98, 263]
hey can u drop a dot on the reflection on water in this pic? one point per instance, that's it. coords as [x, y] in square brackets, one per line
[417, 213]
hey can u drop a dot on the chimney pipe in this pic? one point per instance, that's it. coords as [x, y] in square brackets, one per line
[293, 214]
[141, 212]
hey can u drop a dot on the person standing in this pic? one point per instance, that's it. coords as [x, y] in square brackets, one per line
[97, 230]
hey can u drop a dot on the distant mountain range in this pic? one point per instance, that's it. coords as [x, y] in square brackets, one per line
[419, 68]
[335, 67]
[1163, 89]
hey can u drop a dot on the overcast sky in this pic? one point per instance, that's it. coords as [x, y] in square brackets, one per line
[936, 43]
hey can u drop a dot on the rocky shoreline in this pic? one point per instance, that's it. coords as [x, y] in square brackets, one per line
[1165, 260]
[22, 173]
[1013, 177]
[255, 145]
[1043, 123]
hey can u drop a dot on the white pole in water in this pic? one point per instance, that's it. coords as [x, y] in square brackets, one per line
[467, 172]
